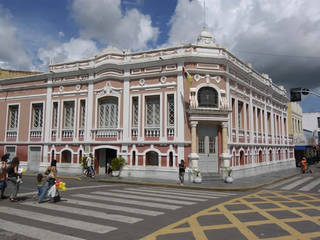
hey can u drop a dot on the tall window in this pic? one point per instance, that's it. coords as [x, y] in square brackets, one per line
[153, 111]
[212, 144]
[208, 97]
[13, 117]
[240, 115]
[82, 113]
[37, 115]
[55, 115]
[318, 122]
[201, 144]
[135, 111]
[171, 110]
[68, 113]
[108, 113]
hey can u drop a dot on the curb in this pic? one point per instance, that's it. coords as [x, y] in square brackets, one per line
[62, 177]
[196, 187]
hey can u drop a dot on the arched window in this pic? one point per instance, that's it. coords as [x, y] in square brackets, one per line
[66, 156]
[279, 153]
[152, 158]
[170, 159]
[80, 155]
[108, 112]
[241, 158]
[260, 157]
[52, 155]
[270, 155]
[208, 97]
[133, 158]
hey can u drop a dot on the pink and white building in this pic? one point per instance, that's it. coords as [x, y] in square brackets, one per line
[141, 107]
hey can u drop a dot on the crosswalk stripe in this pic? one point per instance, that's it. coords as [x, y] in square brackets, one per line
[183, 193]
[127, 201]
[142, 198]
[33, 232]
[114, 207]
[310, 185]
[282, 182]
[297, 183]
[91, 227]
[85, 212]
[136, 191]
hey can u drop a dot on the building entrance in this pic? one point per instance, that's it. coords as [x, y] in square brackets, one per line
[208, 148]
[102, 157]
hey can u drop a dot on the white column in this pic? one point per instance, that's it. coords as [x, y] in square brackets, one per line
[126, 109]
[236, 119]
[47, 120]
[89, 109]
[180, 104]
[272, 126]
[256, 120]
[251, 116]
[266, 125]
[244, 107]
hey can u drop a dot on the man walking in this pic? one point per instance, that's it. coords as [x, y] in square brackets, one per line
[90, 170]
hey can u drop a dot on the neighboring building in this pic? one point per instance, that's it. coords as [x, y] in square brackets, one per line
[140, 106]
[6, 73]
[311, 121]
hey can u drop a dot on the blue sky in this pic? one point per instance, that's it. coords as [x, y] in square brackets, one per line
[275, 36]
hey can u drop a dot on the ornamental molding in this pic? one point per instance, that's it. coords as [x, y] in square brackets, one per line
[108, 90]
[197, 77]
[163, 79]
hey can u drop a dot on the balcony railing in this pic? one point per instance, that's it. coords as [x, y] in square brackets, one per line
[134, 132]
[170, 131]
[12, 133]
[152, 132]
[36, 133]
[67, 133]
[54, 133]
[106, 133]
[81, 133]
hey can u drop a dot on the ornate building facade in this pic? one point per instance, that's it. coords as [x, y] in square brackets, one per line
[141, 107]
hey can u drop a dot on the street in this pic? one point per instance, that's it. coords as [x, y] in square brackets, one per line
[93, 210]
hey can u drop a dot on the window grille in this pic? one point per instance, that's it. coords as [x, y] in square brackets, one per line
[37, 115]
[82, 113]
[13, 117]
[135, 111]
[201, 144]
[240, 104]
[108, 113]
[68, 115]
[208, 97]
[171, 110]
[55, 115]
[153, 111]
[212, 144]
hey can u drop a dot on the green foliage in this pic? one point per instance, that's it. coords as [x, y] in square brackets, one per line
[196, 172]
[228, 170]
[83, 162]
[117, 163]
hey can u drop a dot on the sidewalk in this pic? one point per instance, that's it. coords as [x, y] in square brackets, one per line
[241, 184]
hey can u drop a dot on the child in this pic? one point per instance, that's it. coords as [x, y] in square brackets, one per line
[19, 177]
[39, 183]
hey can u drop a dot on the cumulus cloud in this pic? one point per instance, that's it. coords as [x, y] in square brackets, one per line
[75, 49]
[278, 37]
[105, 22]
[12, 53]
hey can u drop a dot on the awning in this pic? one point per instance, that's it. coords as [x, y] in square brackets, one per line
[300, 147]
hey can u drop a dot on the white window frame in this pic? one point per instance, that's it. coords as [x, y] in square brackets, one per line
[64, 115]
[32, 104]
[116, 117]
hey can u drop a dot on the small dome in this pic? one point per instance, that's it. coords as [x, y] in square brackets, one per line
[206, 38]
[111, 50]
[205, 34]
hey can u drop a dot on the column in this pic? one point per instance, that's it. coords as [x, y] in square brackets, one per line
[47, 120]
[245, 121]
[251, 116]
[180, 104]
[225, 156]
[236, 118]
[90, 109]
[266, 125]
[193, 156]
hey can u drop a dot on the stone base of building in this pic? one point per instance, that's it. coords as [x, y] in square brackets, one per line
[248, 171]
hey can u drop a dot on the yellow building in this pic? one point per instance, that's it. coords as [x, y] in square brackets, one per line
[5, 73]
[295, 123]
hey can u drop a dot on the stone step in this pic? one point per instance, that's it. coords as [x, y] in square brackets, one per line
[211, 176]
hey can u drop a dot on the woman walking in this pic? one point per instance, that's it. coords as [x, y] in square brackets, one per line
[13, 175]
[3, 176]
[182, 170]
[51, 173]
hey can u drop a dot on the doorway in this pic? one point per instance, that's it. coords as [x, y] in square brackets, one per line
[34, 158]
[208, 148]
[102, 157]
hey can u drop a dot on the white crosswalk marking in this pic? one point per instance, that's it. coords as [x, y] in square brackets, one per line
[310, 185]
[295, 184]
[89, 213]
[137, 191]
[282, 182]
[182, 193]
[114, 207]
[92, 227]
[127, 201]
[33, 232]
[131, 196]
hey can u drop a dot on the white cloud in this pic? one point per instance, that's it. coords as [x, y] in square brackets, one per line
[61, 34]
[12, 53]
[286, 27]
[75, 49]
[104, 21]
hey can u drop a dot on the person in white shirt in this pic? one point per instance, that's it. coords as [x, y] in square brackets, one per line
[90, 170]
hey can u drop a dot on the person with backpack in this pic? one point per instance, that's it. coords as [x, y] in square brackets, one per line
[51, 173]
[182, 169]
[3, 176]
[13, 175]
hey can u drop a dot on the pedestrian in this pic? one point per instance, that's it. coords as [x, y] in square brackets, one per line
[182, 169]
[51, 173]
[90, 170]
[3, 176]
[13, 175]
[40, 183]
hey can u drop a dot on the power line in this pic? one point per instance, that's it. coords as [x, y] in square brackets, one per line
[275, 55]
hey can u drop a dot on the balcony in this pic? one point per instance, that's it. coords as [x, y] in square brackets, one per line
[134, 132]
[12, 133]
[81, 133]
[107, 133]
[36, 133]
[170, 131]
[152, 132]
[54, 133]
[67, 133]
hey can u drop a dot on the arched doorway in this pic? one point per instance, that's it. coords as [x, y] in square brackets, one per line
[102, 157]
